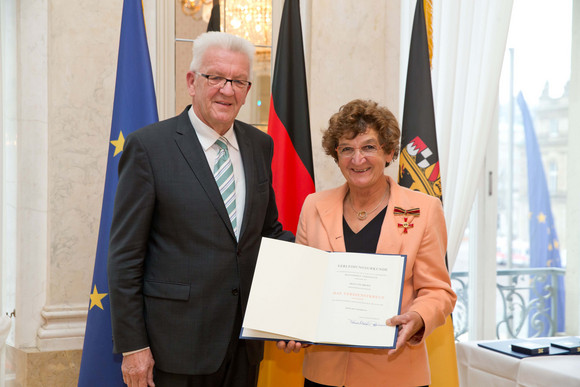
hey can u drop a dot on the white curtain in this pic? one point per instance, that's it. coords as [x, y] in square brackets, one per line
[5, 324]
[469, 44]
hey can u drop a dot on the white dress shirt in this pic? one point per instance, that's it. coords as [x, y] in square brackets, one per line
[207, 137]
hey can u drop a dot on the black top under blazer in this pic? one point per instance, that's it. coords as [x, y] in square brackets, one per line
[176, 272]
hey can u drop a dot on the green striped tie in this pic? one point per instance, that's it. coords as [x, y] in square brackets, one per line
[223, 172]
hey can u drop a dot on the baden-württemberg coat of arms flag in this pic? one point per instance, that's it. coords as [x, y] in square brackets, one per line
[419, 159]
[134, 107]
[419, 171]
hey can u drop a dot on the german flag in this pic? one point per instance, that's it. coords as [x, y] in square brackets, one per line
[292, 166]
[289, 121]
[419, 170]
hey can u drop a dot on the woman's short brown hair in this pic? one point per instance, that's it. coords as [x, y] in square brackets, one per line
[355, 118]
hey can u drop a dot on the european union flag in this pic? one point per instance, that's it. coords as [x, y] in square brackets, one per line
[544, 245]
[133, 108]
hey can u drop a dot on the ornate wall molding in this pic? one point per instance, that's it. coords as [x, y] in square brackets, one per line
[64, 327]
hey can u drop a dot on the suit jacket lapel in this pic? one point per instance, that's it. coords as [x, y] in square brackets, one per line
[190, 147]
[247, 152]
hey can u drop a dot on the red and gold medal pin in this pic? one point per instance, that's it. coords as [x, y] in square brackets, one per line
[406, 214]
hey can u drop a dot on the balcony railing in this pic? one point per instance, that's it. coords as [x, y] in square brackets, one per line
[526, 298]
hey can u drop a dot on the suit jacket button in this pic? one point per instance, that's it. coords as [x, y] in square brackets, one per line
[235, 292]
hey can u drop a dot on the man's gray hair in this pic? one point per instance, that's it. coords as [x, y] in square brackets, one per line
[216, 39]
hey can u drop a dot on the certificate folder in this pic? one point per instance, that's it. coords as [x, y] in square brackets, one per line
[505, 347]
[571, 344]
[530, 348]
[304, 294]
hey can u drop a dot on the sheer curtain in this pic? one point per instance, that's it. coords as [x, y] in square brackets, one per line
[469, 44]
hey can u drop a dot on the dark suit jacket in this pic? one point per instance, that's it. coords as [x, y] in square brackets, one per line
[176, 272]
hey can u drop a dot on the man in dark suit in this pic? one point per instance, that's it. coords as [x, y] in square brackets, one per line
[193, 200]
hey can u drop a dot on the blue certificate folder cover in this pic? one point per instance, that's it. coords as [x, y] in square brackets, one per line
[505, 346]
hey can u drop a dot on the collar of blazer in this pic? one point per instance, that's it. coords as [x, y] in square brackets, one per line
[330, 212]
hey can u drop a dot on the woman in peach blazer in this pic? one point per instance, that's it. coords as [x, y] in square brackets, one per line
[372, 213]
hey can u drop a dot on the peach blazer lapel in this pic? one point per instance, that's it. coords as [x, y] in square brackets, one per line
[331, 214]
[390, 238]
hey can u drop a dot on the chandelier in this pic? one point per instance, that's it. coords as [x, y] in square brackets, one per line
[193, 7]
[250, 19]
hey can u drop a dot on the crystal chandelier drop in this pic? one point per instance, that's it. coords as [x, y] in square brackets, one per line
[197, 9]
[250, 19]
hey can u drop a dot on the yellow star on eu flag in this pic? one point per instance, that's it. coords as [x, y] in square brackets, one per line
[118, 144]
[96, 298]
[541, 218]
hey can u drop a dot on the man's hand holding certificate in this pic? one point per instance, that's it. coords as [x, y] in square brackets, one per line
[304, 294]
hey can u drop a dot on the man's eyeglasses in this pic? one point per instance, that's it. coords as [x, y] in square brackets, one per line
[217, 81]
[365, 150]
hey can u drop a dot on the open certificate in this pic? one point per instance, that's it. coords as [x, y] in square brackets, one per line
[309, 295]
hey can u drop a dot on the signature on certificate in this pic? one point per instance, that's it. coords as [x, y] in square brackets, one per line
[366, 323]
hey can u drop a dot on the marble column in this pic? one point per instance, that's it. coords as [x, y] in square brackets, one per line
[83, 45]
[65, 82]
[354, 53]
